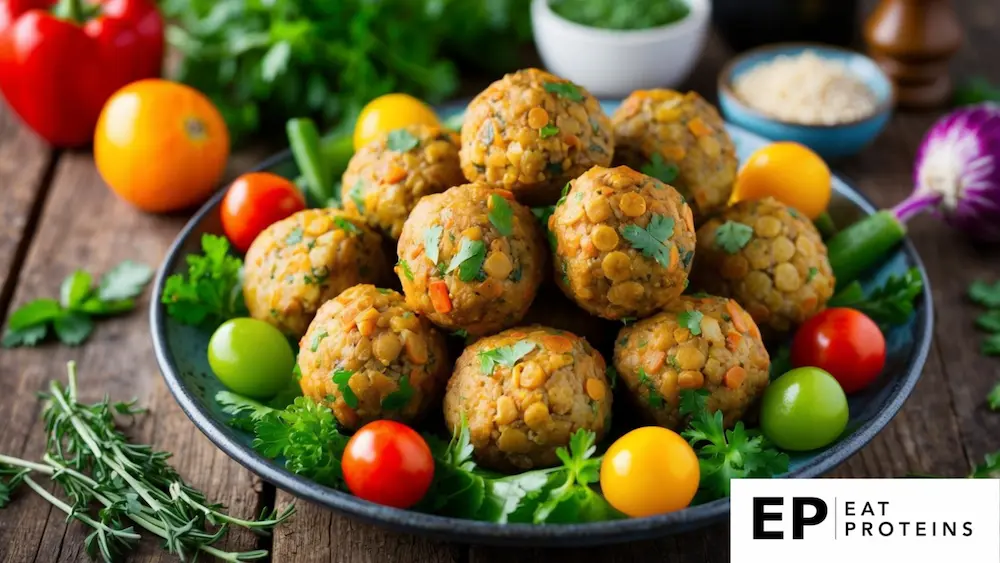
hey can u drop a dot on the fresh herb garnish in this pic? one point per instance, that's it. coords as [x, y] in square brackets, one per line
[71, 318]
[987, 295]
[346, 225]
[505, 356]
[400, 397]
[432, 243]
[468, 260]
[812, 273]
[316, 339]
[725, 454]
[653, 396]
[691, 320]
[341, 377]
[294, 237]
[357, 195]
[564, 193]
[566, 90]
[634, 14]
[211, 293]
[612, 374]
[732, 236]
[653, 240]
[660, 169]
[401, 140]
[890, 304]
[405, 266]
[501, 215]
[461, 333]
[548, 131]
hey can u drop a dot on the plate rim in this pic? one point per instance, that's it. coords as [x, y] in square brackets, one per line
[488, 533]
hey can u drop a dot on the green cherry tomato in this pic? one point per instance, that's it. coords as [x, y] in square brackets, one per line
[251, 358]
[803, 410]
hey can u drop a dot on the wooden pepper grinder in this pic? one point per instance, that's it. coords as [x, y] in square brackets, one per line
[913, 40]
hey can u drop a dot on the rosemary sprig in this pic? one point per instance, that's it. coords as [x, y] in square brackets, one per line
[95, 464]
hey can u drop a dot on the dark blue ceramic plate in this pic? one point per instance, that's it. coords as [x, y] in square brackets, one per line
[181, 354]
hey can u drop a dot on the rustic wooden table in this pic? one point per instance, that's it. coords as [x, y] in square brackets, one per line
[56, 215]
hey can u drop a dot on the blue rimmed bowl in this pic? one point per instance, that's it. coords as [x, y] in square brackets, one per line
[830, 141]
[181, 352]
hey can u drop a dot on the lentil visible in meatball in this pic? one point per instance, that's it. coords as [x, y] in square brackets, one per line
[471, 258]
[298, 263]
[387, 177]
[655, 129]
[707, 343]
[769, 258]
[625, 242]
[367, 356]
[523, 392]
[531, 132]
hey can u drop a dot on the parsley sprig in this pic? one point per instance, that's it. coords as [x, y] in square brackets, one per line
[890, 304]
[211, 292]
[653, 241]
[401, 140]
[566, 90]
[505, 356]
[468, 260]
[432, 243]
[501, 215]
[723, 454]
[732, 236]
[660, 169]
[71, 317]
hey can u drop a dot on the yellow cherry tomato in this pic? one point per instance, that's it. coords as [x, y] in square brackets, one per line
[650, 470]
[789, 172]
[389, 112]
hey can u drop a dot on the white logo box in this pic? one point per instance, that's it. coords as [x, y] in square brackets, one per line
[867, 520]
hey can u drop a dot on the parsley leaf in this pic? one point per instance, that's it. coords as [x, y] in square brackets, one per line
[317, 338]
[504, 355]
[725, 454]
[994, 398]
[653, 396]
[501, 215]
[405, 266]
[985, 294]
[295, 236]
[461, 333]
[73, 328]
[346, 225]
[29, 336]
[432, 243]
[75, 289]
[548, 131]
[653, 240]
[812, 274]
[566, 90]
[612, 374]
[890, 304]
[400, 397]
[124, 281]
[660, 169]
[401, 140]
[989, 469]
[341, 377]
[357, 195]
[34, 312]
[989, 321]
[732, 236]
[691, 320]
[573, 500]
[563, 194]
[211, 292]
[470, 257]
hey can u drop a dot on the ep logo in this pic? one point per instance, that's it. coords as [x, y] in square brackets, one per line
[805, 511]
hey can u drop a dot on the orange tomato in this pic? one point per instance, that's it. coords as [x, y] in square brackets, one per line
[160, 145]
[650, 470]
[789, 172]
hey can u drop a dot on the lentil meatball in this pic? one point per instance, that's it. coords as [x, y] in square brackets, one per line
[471, 258]
[387, 177]
[707, 343]
[770, 259]
[367, 356]
[656, 128]
[624, 243]
[524, 392]
[298, 263]
[531, 132]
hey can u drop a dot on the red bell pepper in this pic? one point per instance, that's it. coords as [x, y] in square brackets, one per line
[56, 71]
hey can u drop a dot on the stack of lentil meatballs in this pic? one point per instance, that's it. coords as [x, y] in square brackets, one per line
[473, 256]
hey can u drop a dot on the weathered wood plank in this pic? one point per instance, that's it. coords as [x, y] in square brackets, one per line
[84, 225]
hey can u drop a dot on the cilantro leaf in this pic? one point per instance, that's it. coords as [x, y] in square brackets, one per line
[405, 266]
[994, 398]
[29, 336]
[400, 397]
[732, 236]
[357, 195]
[991, 345]
[573, 500]
[294, 237]
[306, 435]
[401, 140]
[985, 294]
[461, 333]
[890, 304]
[346, 225]
[563, 194]
[317, 338]
[432, 243]
[653, 396]
[612, 374]
[33, 313]
[73, 328]
[470, 257]
[989, 321]
[691, 320]
[75, 289]
[501, 215]
[660, 169]
[548, 131]
[341, 377]
[812, 274]
[211, 293]
[124, 281]
[989, 469]
[506, 356]
[566, 90]
[653, 240]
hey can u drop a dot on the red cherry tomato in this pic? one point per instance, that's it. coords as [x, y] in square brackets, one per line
[845, 343]
[255, 201]
[388, 463]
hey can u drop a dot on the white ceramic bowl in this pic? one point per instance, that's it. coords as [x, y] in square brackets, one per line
[613, 63]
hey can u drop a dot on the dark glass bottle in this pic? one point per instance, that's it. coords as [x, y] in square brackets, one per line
[748, 23]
